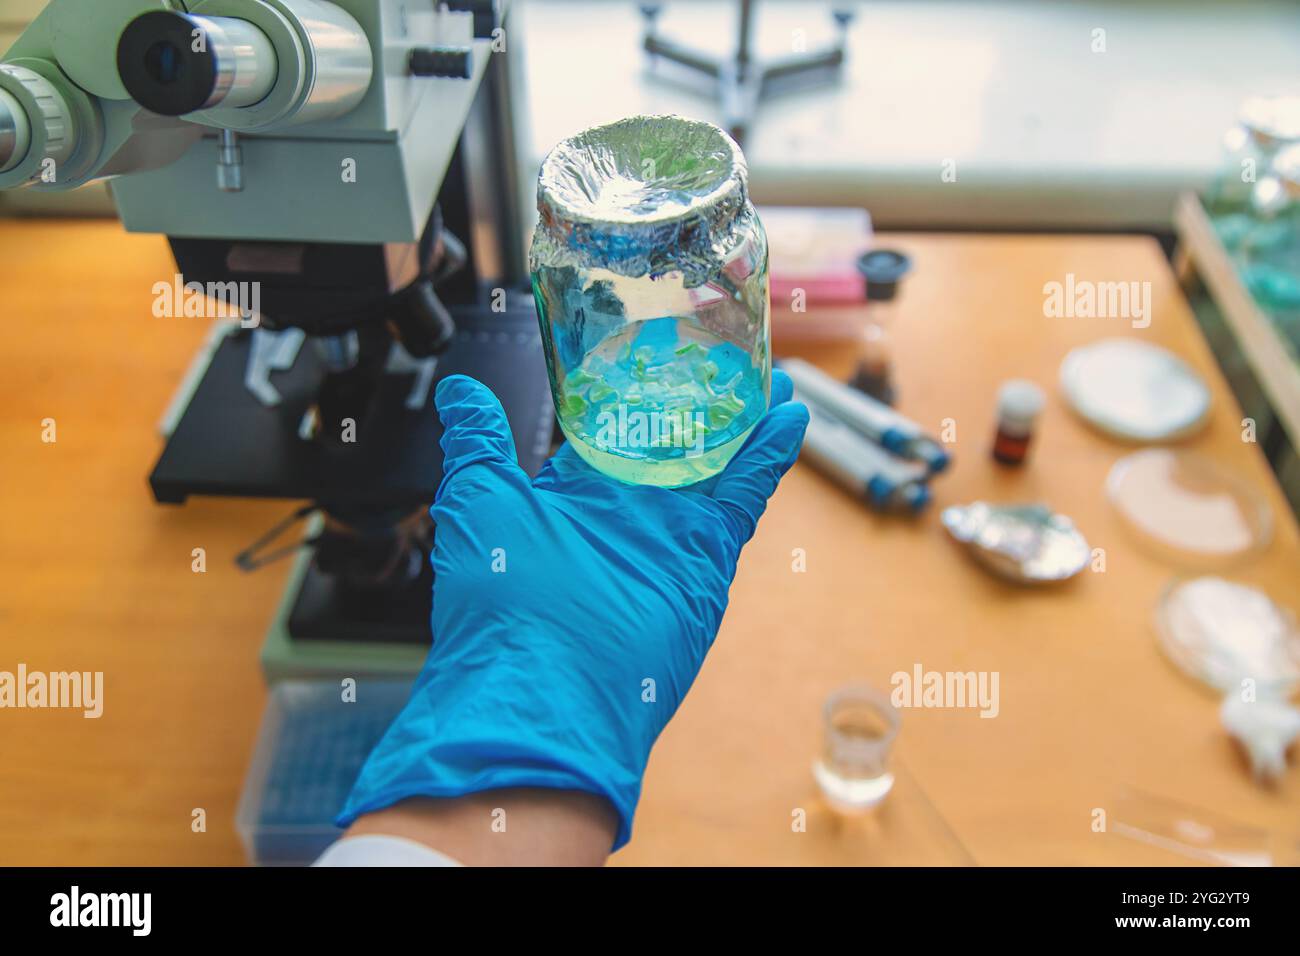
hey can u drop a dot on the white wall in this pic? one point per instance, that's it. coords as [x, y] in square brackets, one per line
[1044, 132]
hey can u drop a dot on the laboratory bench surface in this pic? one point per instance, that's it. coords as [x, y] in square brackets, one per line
[97, 577]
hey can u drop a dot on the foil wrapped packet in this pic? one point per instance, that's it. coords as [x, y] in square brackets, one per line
[1026, 544]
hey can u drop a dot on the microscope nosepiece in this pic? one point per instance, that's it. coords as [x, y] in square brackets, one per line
[175, 63]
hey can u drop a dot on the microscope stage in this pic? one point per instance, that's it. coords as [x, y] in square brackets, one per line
[228, 443]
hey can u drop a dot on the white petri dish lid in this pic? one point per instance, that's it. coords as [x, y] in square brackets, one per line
[1188, 509]
[1222, 632]
[1135, 391]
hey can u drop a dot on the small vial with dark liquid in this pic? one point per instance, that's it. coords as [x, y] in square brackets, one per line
[1019, 405]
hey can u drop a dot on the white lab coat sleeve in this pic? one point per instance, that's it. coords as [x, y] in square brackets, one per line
[378, 850]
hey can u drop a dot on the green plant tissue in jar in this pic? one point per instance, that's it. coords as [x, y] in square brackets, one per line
[649, 269]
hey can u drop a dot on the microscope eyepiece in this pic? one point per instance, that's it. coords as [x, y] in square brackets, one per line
[175, 63]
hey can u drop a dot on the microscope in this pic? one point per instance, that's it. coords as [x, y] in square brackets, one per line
[339, 180]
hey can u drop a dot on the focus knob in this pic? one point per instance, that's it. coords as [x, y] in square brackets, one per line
[454, 62]
[49, 121]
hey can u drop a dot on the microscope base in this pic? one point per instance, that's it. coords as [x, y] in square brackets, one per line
[323, 611]
[284, 657]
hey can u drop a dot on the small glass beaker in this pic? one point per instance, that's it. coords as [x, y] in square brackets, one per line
[649, 270]
[860, 725]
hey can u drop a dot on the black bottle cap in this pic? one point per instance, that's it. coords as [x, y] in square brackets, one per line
[883, 269]
[873, 382]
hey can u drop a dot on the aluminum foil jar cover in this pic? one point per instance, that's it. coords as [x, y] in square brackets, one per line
[644, 196]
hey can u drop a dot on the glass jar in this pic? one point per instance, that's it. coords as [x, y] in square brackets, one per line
[1245, 189]
[649, 268]
[1270, 251]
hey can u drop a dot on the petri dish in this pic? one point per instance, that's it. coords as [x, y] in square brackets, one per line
[1134, 391]
[1220, 631]
[1187, 509]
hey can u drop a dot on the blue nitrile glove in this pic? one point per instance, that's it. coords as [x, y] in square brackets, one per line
[571, 612]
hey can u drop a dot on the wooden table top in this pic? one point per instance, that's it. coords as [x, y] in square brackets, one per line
[97, 577]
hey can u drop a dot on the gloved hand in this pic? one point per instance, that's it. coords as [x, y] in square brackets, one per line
[571, 612]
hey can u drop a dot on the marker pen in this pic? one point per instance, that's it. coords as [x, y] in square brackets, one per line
[886, 482]
[874, 419]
